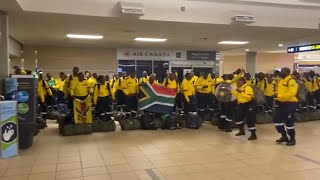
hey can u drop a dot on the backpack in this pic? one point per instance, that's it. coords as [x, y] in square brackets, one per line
[62, 108]
[258, 96]
[302, 90]
[223, 92]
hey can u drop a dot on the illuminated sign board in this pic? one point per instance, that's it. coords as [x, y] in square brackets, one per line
[304, 48]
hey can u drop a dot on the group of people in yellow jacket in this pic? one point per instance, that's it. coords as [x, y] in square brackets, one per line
[195, 95]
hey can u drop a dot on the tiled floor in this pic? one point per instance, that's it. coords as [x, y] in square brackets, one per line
[173, 155]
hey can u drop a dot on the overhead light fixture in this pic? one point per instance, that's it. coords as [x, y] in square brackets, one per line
[233, 42]
[247, 50]
[280, 45]
[150, 39]
[83, 36]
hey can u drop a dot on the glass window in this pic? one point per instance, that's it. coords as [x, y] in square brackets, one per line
[144, 66]
[127, 66]
[160, 68]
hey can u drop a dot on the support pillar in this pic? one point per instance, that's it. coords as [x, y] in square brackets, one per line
[251, 62]
[4, 49]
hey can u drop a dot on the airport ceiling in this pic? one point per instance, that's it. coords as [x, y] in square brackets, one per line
[31, 27]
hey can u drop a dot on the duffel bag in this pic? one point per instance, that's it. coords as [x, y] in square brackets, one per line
[76, 129]
[103, 126]
[130, 124]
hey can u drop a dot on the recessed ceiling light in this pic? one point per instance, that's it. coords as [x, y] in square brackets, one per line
[83, 36]
[150, 39]
[280, 45]
[203, 38]
[247, 50]
[233, 42]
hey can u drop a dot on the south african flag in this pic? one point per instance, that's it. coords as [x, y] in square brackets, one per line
[155, 98]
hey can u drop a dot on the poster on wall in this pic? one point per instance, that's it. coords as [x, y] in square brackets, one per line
[23, 90]
[9, 129]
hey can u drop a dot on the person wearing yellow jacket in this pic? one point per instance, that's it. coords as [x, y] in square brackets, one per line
[172, 83]
[59, 85]
[312, 87]
[269, 92]
[70, 81]
[45, 96]
[131, 91]
[145, 78]
[227, 109]
[203, 86]
[81, 89]
[246, 108]
[91, 80]
[102, 99]
[118, 88]
[189, 99]
[249, 80]
[284, 118]
[317, 95]
[261, 81]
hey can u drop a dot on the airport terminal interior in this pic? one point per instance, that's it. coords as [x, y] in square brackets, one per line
[159, 90]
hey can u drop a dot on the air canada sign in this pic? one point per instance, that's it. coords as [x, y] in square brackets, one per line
[147, 54]
[151, 54]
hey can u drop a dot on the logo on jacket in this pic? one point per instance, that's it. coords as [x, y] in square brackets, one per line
[84, 108]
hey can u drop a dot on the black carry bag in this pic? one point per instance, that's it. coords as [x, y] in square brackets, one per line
[148, 121]
[41, 123]
[119, 116]
[130, 124]
[182, 120]
[194, 121]
[99, 125]
[169, 122]
[314, 115]
[53, 114]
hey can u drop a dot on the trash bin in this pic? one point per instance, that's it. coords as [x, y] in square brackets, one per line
[23, 89]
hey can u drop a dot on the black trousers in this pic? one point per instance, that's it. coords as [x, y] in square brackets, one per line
[121, 100]
[227, 110]
[269, 104]
[103, 109]
[205, 103]
[246, 111]
[190, 107]
[178, 103]
[131, 106]
[311, 99]
[284, 118]
[317, 97]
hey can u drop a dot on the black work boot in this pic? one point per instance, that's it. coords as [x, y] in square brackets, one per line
[283, 139]
[241, 132]
[253, 136]
[291, 142]
[227, 127]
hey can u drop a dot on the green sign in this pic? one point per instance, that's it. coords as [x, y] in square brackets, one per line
[23, 108]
